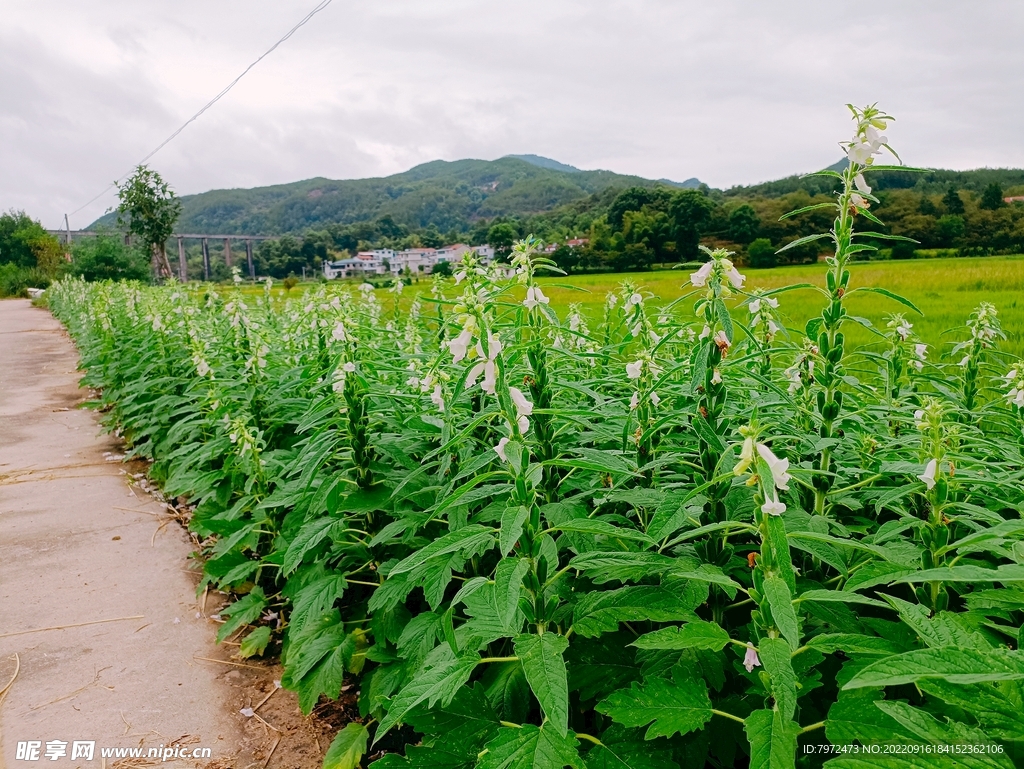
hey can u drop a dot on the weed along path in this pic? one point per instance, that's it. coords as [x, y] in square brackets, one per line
[95, 600]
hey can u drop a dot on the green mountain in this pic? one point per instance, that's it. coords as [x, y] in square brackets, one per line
[445, 194]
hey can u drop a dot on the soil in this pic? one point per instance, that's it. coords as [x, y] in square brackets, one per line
[100, 625]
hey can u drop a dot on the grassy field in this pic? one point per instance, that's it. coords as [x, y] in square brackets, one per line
[945, 290]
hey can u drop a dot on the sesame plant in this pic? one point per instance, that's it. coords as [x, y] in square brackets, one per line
[672, 535]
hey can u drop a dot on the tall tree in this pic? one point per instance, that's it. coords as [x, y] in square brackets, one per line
[149, 208]
[953, 202]
[501, 237]
[992, 197]
[690, 211]
[743, 224]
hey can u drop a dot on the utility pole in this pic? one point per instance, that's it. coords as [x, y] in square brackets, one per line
[67, 240]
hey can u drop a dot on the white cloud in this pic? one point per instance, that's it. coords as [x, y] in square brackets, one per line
[731, 92]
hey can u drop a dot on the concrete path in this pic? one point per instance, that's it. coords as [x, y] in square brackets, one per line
[77, 545]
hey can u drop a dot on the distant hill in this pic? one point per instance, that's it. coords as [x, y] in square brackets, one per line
[455, 194]
[542, 162]
[445, 194]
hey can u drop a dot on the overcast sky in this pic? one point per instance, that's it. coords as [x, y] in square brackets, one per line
[729, 92]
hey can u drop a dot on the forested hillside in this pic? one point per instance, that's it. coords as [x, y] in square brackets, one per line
[445, 195]
[629, 223]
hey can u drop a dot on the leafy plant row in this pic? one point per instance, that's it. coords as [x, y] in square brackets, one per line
[674, 535]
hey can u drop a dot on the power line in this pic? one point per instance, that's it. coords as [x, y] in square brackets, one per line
[323, 4]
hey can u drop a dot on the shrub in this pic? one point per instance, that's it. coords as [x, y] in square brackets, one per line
[106, 257]
[761, 254]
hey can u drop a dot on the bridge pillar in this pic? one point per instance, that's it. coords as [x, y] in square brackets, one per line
[182, 264]
[248, 256]
[227, 252]
[206, 259]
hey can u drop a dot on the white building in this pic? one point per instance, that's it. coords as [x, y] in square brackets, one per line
[384, 261]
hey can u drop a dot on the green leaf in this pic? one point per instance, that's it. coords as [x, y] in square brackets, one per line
[316, 598]
[439, 680]
[348, 747]
[703, 429]
[326, 677]
[775, 656]
[437, 756]
[254, 644]
[310, 535]
[801, 241]
[508, 586]
[953, 664]
[603, 529]
[624, 567]
[512, 520]
[998, 715]
[544, 666]
[621, 749]
[1009, 572]
[600, 612]
[531, 747]
[886, 292]
[468, 719]
[242, 612]
[722, 314]
[693, 635]
[805, 209]
[781, 602]
[772, 740]
[838, 596]
[853, 717]
[853, 643]
[677, 705]
[470, 537]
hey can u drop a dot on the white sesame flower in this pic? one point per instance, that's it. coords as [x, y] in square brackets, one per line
[349, 367]
[773, 506]
[705, 332]
[716, 377]
[655, 399]
[366, 288]
[861, 184]
[634, 299]
[634, 401]
[700, 277]
[523, 406]
[733, 275]
[754, 307]
[460, 276]
[750, 659]
[500, 449]
[633, 370]
[523, 424]
[437, 398]
[779, 467]
[772, 302]
[459, 346]
[965, 360]
[339, 334]
[857, 201]
[928, 476]
[534, 296]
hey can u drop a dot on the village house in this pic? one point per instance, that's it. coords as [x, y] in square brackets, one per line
[386, 261]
